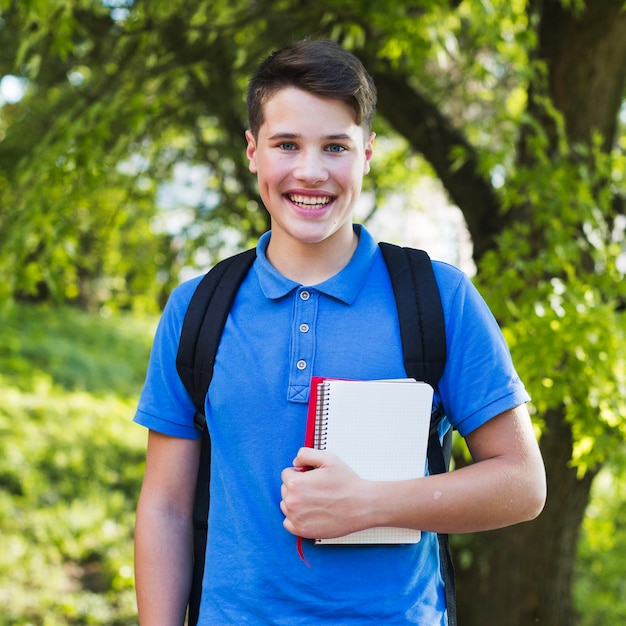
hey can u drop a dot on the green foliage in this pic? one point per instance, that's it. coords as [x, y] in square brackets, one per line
[71, 463]
[600, 585]
[64, 348]
[555, 285]
[108, 111]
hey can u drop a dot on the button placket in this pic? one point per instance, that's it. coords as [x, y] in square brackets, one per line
[302, 343]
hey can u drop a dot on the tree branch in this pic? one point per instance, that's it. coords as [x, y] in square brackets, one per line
[431, 133]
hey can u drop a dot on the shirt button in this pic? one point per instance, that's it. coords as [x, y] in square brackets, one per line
[301, 364]
[304, 328]
[305, 295]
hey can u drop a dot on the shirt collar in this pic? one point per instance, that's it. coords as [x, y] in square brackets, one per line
[344, 286]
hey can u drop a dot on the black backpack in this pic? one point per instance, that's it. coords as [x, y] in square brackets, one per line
[422, 331]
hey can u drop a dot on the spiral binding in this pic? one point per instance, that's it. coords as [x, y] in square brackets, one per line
[321, 417]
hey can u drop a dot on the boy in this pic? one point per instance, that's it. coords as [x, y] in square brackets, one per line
[318, 301]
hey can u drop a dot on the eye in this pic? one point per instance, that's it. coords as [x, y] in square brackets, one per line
[288, 146]
[335, 148]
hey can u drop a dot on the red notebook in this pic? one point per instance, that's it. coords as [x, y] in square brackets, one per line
[379, 428]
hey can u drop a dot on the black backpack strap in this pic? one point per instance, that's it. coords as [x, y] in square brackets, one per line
[200, 337]
[204, 322]
[438, 463]
[420, 312]
[423, 335]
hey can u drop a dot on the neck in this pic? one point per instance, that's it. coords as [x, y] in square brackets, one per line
[312, 263]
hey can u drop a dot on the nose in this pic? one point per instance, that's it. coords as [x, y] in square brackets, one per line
[310, 167]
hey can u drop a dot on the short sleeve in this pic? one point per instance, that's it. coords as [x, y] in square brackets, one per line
[164, 404]
[479, 380]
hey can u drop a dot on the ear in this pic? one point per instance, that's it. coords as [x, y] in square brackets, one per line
[369, 152]
[251, 151]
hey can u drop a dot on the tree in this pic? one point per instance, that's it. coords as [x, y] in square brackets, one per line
[515, 108]
[551, 230]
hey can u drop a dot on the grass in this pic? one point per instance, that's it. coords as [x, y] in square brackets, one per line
[71, 463]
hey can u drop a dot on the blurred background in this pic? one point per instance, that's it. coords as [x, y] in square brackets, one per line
[501, 148]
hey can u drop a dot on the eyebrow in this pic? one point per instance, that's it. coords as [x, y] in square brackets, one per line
[333, 137]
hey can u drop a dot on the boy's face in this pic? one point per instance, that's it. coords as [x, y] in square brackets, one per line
[309, 157]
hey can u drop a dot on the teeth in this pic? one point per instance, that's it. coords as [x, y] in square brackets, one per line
[310, 201]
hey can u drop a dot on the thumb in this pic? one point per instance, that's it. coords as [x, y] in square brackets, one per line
[309, 458]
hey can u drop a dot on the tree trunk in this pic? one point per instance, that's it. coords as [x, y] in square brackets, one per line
[522, 575]
[585, 56]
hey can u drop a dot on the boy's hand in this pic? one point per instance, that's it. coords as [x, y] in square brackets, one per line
[331, 500]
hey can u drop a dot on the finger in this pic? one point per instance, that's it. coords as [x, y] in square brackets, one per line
[287, 525]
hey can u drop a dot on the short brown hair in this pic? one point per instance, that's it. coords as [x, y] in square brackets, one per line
[320, 67]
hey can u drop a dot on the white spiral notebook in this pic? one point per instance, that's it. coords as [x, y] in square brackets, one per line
[380, 429]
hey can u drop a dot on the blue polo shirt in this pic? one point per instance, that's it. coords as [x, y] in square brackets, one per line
[278, 334]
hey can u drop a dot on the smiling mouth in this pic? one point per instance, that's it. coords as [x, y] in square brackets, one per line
[309, 202]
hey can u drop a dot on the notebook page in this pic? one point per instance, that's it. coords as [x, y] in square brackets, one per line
[379, 428]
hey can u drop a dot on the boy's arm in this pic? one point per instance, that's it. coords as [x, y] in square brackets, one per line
[505, 485]
[164, 530]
